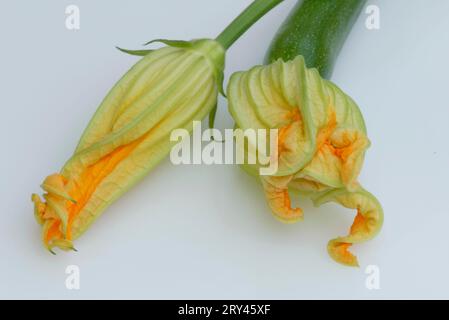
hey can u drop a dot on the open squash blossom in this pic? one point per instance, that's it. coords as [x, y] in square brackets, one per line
[320, 148]
[129, 134]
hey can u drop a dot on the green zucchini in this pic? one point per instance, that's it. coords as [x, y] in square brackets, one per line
[317, 30]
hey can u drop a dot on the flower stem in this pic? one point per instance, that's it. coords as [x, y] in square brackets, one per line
[245, 20]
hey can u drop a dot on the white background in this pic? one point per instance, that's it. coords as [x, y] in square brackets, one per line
[205, 231]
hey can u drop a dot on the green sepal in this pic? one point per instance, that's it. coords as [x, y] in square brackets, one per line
[140, 53]
[220, 81]
[171, 43]
[212, 115]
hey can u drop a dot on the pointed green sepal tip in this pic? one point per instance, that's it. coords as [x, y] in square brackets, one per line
[212, 116]
[220, 81]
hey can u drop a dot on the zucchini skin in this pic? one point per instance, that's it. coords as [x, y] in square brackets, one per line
[317, 30]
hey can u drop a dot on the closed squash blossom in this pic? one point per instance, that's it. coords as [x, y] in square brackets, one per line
[129, 134]
[321, 144]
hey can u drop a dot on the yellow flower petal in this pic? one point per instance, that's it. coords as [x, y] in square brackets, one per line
[366, 225]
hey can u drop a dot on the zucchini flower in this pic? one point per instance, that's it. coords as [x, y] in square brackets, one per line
[129, 134]
[169, 88]
[321, 144]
